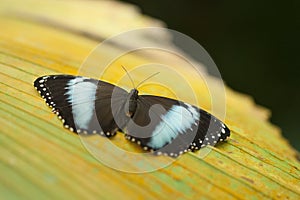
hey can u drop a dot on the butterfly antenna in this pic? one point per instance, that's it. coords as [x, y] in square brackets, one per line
[128, 76]
[147, 79]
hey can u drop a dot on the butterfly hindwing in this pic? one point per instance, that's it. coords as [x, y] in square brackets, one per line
[172, 127]
[84, 104]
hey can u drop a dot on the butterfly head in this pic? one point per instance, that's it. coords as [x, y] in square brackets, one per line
[131, 103]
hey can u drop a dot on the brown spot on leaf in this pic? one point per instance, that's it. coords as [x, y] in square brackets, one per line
[247, 179]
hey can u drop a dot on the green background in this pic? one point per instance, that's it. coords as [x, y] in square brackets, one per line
[255, 45]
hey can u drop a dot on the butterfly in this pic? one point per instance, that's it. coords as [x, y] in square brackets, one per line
[158, 124]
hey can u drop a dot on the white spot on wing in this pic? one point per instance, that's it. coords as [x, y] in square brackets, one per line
[223, 130]
[82, 96]
[176, 121]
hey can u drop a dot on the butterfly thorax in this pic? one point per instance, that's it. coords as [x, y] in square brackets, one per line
[131, 103]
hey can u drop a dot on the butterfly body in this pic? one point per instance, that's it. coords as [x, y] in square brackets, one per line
[132, 102]
[159, 124]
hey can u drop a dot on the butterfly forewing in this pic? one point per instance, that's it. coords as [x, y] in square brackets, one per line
[172, 127]
[84, 104]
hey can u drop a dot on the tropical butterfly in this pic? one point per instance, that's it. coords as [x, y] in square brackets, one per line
[158, 124]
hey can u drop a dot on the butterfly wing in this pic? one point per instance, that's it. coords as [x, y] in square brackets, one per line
[84, 105]
[172, 127]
